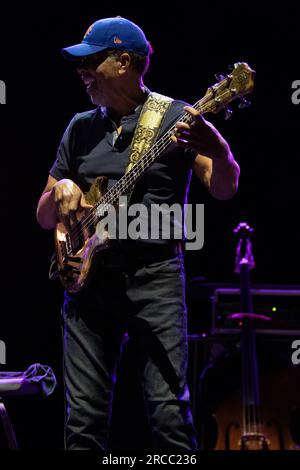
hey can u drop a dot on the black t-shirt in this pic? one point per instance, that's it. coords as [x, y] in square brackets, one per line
[90, 147]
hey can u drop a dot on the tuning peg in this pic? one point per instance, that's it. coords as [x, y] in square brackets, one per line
[219, 76]
[228, 112]
[243, 103]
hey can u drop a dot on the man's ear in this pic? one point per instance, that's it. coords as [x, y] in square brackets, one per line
[124, 61]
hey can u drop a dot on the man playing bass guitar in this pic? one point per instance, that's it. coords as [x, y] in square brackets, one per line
[138, 288]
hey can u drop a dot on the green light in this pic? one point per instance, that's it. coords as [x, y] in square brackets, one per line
[274, 309]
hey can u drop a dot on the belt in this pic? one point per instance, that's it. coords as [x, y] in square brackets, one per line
[139, 256]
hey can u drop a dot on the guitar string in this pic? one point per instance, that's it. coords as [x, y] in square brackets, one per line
[159, 146]
[250, 399]
[258, 422]
[246, 398]
[254, 393]
[254, 412]
[249, 395]
[253, 428]
[245, 410]
[149, 156]
[253, 423]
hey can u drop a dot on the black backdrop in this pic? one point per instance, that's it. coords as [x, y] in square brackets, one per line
[192, 42]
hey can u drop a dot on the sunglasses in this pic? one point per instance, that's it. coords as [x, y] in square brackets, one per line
[94, 60]
[91, 61]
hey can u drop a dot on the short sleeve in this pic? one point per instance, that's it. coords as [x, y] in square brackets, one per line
[63, 165]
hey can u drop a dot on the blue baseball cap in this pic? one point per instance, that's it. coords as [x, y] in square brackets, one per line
[110, 33]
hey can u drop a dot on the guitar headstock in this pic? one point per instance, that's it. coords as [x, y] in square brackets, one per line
[239, 82]
[244, 247]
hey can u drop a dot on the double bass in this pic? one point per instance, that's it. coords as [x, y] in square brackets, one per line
[264, 414]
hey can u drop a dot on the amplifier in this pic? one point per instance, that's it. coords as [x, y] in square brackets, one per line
[281, 306]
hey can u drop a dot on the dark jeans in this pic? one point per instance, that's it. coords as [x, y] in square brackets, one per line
[148, 302]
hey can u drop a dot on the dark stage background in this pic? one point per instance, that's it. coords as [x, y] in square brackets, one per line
[191, 43]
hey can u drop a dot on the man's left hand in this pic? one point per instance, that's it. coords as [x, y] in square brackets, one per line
[200, 136]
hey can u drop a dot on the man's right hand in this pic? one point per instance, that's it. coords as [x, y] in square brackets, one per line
[70, 202]
[61, 201]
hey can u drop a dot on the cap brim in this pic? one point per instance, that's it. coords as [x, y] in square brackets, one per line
[81, 50]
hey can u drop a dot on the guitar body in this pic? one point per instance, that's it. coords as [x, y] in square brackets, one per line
[76, 270]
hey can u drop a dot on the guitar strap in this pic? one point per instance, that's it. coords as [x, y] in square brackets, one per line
[148, 126]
